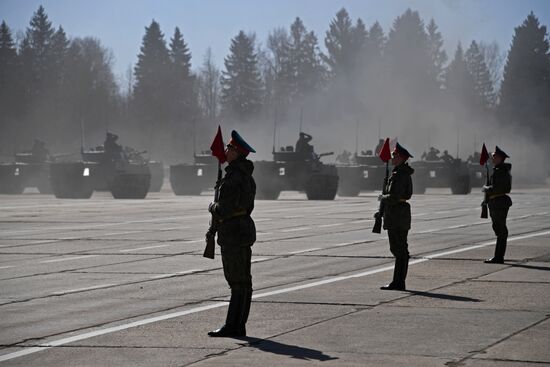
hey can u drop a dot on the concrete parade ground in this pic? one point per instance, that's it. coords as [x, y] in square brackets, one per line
[105, 282]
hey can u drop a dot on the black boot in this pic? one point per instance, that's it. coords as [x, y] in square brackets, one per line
[399, 275]
[245, 310]
[500, 250]
[231, 327]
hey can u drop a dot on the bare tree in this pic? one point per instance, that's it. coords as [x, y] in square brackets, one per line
[494, 59]
[209, 86]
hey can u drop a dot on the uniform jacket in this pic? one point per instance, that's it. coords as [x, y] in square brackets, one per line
[235, 204]
[397, 212]
[501, 184]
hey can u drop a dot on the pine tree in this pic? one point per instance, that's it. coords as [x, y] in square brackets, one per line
[183, 98]
[525, 89]
[241, 82]
[151, 100]
[374, 45]
[477, 68]
[460, 85]
[438, 55]
[344, 43]
[10, 92]
[407, 52]
[209, 87]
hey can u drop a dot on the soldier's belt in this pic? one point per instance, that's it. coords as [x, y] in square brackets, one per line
[495, 196]
[238, 213]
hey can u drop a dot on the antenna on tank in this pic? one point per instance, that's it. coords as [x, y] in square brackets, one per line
[301, 118]
[457, 140]
[194, 136]
[379, 128]
[274, 128]
[356, 135]
[81, 135]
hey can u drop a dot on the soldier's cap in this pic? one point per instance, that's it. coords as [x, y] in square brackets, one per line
[402, 151]
[240, 144]
[112, 136]
[500, 152]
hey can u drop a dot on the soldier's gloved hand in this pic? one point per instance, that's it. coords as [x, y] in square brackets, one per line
[376, 215]
[485, 188]
[213, 208]
[381, 197]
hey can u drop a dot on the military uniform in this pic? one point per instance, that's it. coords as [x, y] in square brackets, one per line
[499, 203]
[236, 235]
[397, 218]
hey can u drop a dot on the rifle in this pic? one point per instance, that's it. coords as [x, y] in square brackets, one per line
[380, 213]
[486, 198]
[213, 225]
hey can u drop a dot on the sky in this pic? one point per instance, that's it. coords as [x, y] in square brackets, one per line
[120, 24]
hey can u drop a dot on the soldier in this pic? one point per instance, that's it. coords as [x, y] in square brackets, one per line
[446, 157]
[236, 233]
[432, 154]
[397, 214]
[39, 151]
[112, 149]
[499, 202]
[303, 146]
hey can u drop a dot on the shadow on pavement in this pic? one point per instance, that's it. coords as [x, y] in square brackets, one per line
[449, 297]
[292, 351]
[534, 267]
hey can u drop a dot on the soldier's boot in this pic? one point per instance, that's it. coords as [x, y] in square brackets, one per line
[399, 275]
[245, 310]
[231, 327]
[500, 250]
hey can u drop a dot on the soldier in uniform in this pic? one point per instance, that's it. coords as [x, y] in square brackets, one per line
[39, 151]
[499, 202]
[432, 155]
[397, 214]
[112, 149]
[446, 157]
[303, 146]
[236, 233]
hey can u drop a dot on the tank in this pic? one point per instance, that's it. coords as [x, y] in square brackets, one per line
[294, 171]
[28, 170]
[123, 176]
[155, 167]
[453, 173]
[364, 171]
[192, 179]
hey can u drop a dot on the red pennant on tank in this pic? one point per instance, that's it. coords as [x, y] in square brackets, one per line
[484, 157]
[385, 154]
[218, 147]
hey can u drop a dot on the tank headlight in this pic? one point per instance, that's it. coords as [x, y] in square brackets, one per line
[86, 172]
[16, 173]
[199, 172]
[281, 171]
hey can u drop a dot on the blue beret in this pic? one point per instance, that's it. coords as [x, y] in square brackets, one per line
[500, 152]
[238, 142]
[402, 151]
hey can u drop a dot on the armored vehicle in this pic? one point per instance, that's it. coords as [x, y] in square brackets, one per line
[192, 179]
[298, 171]
[452, 173]
[364, 171]
[101, 169]
[30, 169]
[155, 167]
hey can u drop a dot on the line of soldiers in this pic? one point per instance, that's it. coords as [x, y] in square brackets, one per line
[237, 232]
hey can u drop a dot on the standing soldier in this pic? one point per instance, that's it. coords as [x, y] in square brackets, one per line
[397, 214]
[499, 202]
[236, 233]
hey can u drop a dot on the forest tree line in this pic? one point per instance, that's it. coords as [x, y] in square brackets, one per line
[55, 87]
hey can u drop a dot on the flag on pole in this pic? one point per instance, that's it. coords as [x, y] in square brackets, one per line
[218, 147]
[484, 157]
[385, 154]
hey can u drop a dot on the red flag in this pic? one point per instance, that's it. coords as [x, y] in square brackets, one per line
[218, 147]
[484, 155]
[385, 154]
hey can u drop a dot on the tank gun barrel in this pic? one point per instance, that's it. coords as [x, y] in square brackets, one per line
[325, 154]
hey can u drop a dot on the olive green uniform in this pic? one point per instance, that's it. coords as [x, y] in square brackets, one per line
[397, 218]
[236, 235]
[499, 203]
